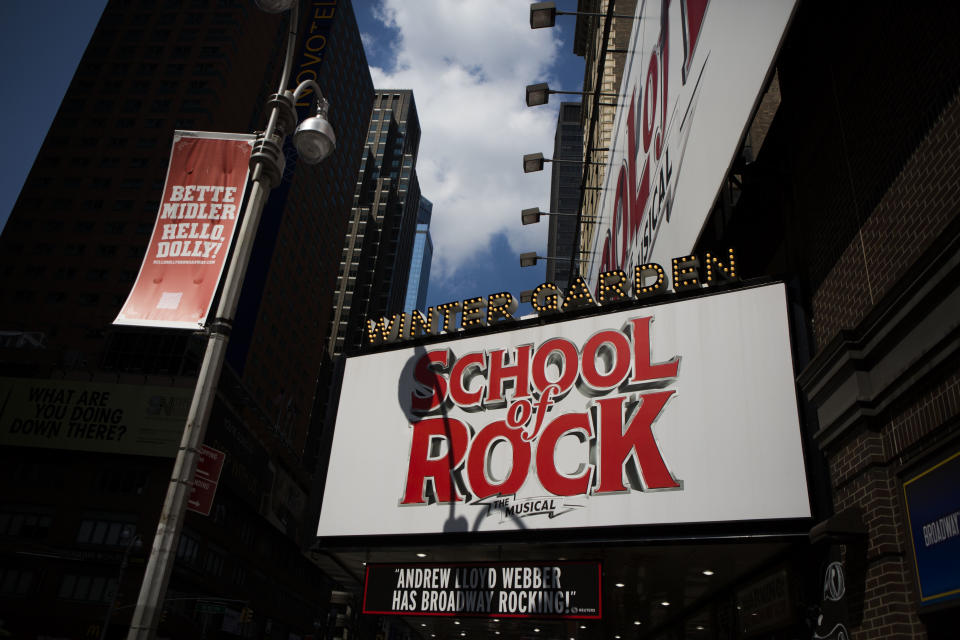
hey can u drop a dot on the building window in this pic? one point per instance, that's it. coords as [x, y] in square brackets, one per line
[87, 588]
[122, 481]
[213, 562]
[20, 524]
[187, 549]
[106, 532]
[17, 582]
[97, 275]
[65, 273]
[239, 575]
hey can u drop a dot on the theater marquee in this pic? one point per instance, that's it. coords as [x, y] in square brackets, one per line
[677, 413]
[561, 589]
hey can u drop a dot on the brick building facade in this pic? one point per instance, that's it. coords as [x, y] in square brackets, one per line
[852, 199]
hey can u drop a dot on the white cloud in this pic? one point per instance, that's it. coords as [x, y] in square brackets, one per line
[369, 42]
[467, 63]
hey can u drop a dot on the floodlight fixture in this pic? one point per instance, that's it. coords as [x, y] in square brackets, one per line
[539, 93]
[534, 162]
[532, 215]
[544, 15]
[530, 258]
[314, 138]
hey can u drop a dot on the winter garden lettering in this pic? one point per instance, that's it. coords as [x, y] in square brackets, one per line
[615, 286]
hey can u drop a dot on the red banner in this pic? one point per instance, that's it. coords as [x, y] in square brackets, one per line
[205, 186]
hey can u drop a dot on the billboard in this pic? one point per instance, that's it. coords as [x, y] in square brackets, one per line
[205, 185]
[92, 416]
[683, 412]
[933, 512]
[563, 589]
[690, 82]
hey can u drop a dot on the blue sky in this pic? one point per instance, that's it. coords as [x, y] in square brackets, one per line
[467, 62]
[41, 42]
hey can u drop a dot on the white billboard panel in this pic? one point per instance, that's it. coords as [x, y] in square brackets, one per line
[690, 83]
[678, 413]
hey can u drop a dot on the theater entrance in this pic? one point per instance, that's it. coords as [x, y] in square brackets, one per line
[739, 587]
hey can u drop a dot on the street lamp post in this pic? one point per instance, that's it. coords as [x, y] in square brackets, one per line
[314, 140]
[135, 541]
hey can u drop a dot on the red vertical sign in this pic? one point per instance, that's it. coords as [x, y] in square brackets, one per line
[205, 479]
[202, 198]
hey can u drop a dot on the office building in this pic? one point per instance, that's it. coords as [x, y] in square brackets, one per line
[843, 186]
[588, 42]
[375, 262]
[420, 260]
[82, 504]
[564, 193]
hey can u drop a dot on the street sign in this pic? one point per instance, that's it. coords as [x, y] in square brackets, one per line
[209, 465]
[210, 607]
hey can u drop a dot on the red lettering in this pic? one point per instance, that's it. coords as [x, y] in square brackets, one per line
[551, 479]
[436, 384]
[458, 385]
[606, 255]
[519, 414]
[559, 352]
[499, 372]
[634, 450]
[621, 216]
[484, 487]
[650, 101]
[617, 360]
[642, 369]
[437, 470]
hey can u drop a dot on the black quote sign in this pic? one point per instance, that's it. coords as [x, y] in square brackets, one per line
[497, 590]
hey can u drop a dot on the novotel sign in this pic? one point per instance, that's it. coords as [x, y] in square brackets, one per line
[675, 413]
[614, 286]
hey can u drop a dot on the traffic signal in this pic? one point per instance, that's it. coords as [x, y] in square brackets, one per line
[246, 615]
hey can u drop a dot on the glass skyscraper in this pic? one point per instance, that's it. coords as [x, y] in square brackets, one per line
[564, 192]
[420, 261]
[375, 262]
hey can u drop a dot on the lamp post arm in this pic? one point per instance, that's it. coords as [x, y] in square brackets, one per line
[593, 15]
[311, 84]
[291, 45]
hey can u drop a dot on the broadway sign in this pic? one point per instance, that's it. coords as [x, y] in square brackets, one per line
[691, 80]
[518, 590]
[677, 413]
[195, 226]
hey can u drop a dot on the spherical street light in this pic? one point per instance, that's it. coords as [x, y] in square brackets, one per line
[314, 138]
